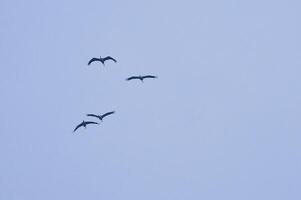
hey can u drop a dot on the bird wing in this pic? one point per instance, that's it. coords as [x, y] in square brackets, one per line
[108, 113]
[92, 115]
[92, 60]
[109, 58]
[90, 122]
[81, 124]
[149, 76]
[132, 77]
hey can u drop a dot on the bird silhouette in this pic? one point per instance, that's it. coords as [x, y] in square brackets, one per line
[102, 60]
[140, 77]
[84, 124]
[100, 117]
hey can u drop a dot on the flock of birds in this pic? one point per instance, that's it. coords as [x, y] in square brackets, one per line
[100, 117]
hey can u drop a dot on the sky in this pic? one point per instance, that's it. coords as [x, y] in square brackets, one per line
[222, 121]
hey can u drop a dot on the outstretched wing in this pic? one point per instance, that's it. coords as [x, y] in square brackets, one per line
[109, 58]
[132, 77]
[92, 115]
[108, 113]
[92, 60]
[90, 122]
[149, 76]
[81, 124]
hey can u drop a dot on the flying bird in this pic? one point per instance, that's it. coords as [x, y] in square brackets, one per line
[100, 117]
[102, 60]
[84, 124]
[140, 77]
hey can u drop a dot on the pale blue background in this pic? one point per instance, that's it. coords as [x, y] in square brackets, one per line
[223, 121]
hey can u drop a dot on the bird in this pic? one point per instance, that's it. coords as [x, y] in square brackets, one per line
[141, 77]
[84, 124]
[100, 117]
[102, 60]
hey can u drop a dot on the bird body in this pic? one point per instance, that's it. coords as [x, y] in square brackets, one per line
[140, 77]
[100, 117]
[102, 60]
[84, 124]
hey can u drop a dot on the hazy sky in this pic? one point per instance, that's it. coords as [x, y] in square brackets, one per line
[222, 121]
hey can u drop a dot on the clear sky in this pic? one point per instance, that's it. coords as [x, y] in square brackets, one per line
[222, 121]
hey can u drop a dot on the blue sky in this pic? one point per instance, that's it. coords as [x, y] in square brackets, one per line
[222, 121]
